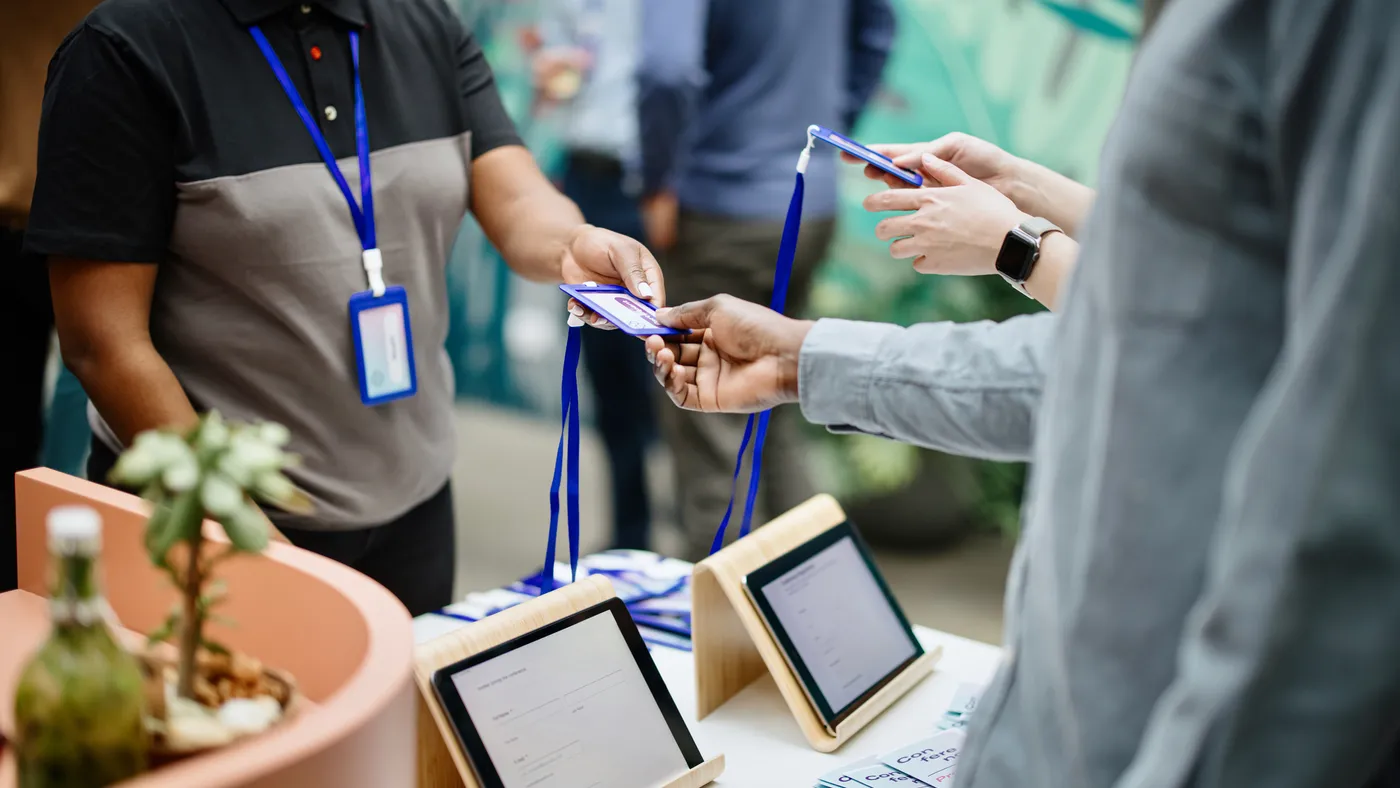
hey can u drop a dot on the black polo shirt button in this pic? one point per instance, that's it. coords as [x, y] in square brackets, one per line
[305, 9]
[331, 113]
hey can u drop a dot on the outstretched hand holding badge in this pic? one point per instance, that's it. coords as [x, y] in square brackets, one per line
[739, 357]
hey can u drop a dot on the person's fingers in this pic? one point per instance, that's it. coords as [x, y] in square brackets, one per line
[653, 284]
[683, 393]
[876, 174]
[900, 226]
[583, 315]
[943, 173]
[689, 353]
[653, 345]
[895, 200]
[895, 150]
[905, 249]
[948, 146]
[694, 315]
[637, 268]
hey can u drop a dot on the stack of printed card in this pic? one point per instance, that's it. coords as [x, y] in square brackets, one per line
[655, 588]
[960, 710]
[929, 762]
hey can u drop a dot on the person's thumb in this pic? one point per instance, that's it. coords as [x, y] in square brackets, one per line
[944, 173]
[694, 315]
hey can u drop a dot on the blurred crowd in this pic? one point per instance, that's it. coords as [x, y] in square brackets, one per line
[1206, 588]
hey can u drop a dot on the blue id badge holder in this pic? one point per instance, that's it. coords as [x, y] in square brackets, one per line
[383, 337]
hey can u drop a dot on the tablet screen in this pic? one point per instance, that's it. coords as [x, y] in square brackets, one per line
[571, 708]
[840, 626]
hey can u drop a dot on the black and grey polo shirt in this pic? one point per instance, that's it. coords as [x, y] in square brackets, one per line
[166, 140]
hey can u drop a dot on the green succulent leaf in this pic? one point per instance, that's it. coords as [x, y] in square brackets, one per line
[246, 529]
[167, 628]
[273, 434]
[183, 515]
[220, 495]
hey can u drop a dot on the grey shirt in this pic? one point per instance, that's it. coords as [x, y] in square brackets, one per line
[1208, 585]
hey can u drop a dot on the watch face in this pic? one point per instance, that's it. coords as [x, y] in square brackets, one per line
[1017, 255]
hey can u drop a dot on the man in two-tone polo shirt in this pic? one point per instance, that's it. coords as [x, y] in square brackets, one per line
[203, 257]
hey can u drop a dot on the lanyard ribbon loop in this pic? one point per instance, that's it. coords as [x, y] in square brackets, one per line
[568, 444]
[757, 426]
[361, 214]
[756, 430]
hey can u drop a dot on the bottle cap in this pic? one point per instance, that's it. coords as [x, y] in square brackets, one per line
[74, 530]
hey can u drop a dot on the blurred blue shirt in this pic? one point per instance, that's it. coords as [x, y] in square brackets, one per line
[602, 118]
[728, 88]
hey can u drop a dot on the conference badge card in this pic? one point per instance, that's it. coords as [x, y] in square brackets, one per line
[931, 760]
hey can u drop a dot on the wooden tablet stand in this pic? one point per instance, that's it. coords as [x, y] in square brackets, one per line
[441, 760]
[733, 646]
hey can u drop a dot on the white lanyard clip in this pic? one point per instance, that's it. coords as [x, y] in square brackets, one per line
[374, 270]
[806, 152]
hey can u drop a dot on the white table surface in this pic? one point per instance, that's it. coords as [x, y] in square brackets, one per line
[760, 740]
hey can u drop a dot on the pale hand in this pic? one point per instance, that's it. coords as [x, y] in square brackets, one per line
[739, 357]
[956, 226]
[976, 157]
[608, 258]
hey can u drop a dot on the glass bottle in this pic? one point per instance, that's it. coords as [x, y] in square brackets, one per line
[79, 702]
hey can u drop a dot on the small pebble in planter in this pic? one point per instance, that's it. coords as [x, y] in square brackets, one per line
[205, 696]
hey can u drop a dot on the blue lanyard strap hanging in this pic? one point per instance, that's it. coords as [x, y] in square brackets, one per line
[361, 214]
[757, 426]
[568, 444]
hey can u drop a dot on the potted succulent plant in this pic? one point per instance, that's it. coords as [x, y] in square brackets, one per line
[206, 696]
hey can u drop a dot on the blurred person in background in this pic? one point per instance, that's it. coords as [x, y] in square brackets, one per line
[30, 31]
[1207, 587]
[202, 256]
[585, 76]
[728, 88]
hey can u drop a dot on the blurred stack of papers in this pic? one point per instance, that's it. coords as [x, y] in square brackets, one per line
[655, 588]
[928, 762]
[960, 710]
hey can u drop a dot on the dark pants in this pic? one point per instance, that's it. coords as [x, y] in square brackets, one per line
[617, 367]
[27, 327]
[716, 255]
[413, 556]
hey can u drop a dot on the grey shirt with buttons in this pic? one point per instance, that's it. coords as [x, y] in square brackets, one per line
[1207, 590]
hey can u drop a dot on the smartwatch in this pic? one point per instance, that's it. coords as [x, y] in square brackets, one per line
[1021, 250]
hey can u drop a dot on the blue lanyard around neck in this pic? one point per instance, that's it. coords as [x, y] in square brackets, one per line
[363, 213]
[757, 426]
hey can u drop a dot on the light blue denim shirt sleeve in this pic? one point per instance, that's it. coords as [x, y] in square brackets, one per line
[970, 389]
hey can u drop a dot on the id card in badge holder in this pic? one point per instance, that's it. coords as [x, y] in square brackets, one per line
[383, 345]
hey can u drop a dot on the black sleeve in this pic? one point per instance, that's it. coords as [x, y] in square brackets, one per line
[486, 116]
[106, 181]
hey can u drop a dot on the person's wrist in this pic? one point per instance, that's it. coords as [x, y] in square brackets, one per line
[790, 357]
[571, 242]
[1021, 186]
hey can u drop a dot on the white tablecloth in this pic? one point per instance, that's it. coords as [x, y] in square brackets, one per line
[762, 745]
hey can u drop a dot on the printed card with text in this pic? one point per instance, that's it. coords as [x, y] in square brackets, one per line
[931, 760]
[880, 775]
[840, 778]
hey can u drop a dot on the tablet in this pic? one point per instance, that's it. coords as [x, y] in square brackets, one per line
[578, 702]
[617, 305]
[835, 621]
